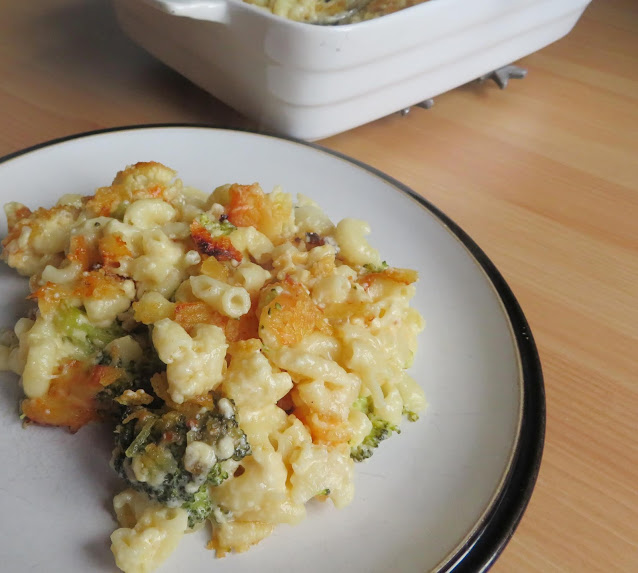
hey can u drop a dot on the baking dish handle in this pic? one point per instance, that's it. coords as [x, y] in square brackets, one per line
[213, 10]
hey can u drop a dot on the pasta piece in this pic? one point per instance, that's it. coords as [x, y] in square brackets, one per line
[62, 275]
[45, 350]
[317, 468]
[194, 365]
[310, 217]
[149, 213]
[323, 395]
[239, 536]
[161, 267]
[331, 289]
[251, 381]
[149, 533]
[412, 394]
[355, 249]
[251, 276]
[36, 239]
[230, 301]
[153, 307]
[250, 242]
[103, 310]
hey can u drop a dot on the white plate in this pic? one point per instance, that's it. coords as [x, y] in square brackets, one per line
[448, 492]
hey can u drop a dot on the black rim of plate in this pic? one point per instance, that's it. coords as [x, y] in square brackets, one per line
[491, 535]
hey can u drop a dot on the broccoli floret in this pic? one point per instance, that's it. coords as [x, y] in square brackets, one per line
[410, 415]
[216, 475]
[370, 267]
[381, 430]
[363, 405]
[141, 439]
[200, 507]
[135, 376]
[74, 325]
[214, 427]
[151, 448]
[216, 227]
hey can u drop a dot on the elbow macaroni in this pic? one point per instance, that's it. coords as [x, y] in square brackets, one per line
[287, 326]
[194, 364]
[232, 301]
[149, 213]
[149, 533]
[249, 241]
[355, 249]
[251, 276]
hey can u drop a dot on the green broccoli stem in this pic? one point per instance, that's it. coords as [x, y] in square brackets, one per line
[381, 430]
[74, 325]
[139, 443]
[200, 507]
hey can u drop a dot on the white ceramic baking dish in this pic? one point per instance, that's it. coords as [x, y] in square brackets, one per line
[311, 82]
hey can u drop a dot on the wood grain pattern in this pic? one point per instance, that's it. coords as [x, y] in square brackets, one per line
[543, 175]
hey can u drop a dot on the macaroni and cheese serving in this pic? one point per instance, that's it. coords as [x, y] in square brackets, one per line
[333, 11]
[246, 350]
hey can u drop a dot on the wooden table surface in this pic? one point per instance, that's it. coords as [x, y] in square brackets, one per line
[543, 175]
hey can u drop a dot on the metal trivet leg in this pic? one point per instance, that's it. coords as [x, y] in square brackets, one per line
[503, 75]
[426, 104]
